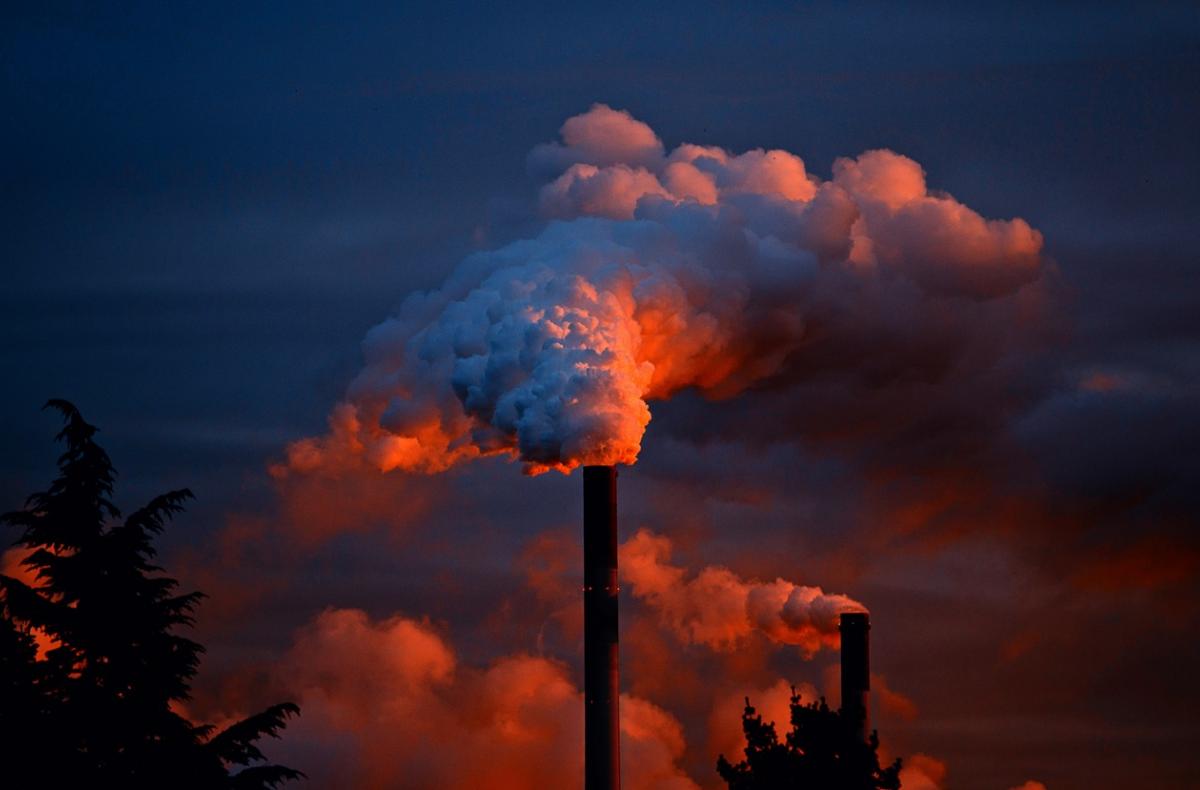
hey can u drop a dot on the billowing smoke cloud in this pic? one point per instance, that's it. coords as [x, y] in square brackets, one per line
[922, 772]
[719, 609]
[387, 704]
[659, 272]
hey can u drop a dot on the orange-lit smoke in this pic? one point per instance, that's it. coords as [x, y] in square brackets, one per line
[922, 772]
[773, 703]
[661, 272]
[718, 608]
[387, 704]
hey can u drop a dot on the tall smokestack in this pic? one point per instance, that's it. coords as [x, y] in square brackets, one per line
[602, 724]
[855, 628]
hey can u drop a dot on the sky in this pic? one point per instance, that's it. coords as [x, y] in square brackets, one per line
[210, 213]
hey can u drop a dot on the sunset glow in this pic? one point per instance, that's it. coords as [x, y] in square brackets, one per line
[875, 330]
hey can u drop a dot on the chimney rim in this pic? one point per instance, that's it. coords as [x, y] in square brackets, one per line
[854, 620]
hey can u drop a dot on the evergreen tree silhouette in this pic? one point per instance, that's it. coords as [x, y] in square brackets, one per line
[96, 711]
[24, 718]
[821, 752]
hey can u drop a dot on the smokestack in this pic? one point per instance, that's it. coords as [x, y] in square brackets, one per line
[602, 724]
[855, 628]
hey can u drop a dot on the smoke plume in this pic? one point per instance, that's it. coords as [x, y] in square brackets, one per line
[656, 272]
[719, 609]
[922, 772]
[388, 704]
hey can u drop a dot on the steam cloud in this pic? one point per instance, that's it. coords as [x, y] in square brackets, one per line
[717, 608]
[658, 272]
[387, 704]
[922, 772]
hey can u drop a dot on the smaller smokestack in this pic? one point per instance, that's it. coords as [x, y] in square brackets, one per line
[855, 628]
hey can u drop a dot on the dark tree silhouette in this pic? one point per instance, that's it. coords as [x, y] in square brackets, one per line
[821, 752]
[96, 710]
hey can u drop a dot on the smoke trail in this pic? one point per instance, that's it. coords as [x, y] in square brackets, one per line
[718, 608]
[657, 272]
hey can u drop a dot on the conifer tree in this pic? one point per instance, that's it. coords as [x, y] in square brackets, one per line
[820, 752]
[98, 709]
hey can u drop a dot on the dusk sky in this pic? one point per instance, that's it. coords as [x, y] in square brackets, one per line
[919, 326]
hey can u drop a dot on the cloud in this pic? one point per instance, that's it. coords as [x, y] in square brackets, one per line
[922, 772]
[1145, 563]
[944, 246]
[890, 701]
[695, 270]
[613, 192]
[883, 177]
[387, 704]
[758, 172]
[601, 136]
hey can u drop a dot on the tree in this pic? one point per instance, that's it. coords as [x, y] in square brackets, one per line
[97, 709]
[821, 752]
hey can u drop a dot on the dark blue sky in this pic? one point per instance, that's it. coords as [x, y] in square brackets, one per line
[259, 187]
[205, 208]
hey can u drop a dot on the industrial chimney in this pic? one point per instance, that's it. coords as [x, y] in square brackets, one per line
[602, 724]
[855, 628]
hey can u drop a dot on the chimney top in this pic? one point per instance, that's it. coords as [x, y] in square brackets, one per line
[854, 620]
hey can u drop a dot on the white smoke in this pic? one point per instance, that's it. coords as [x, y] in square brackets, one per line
[718, 608]
[659, 272]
